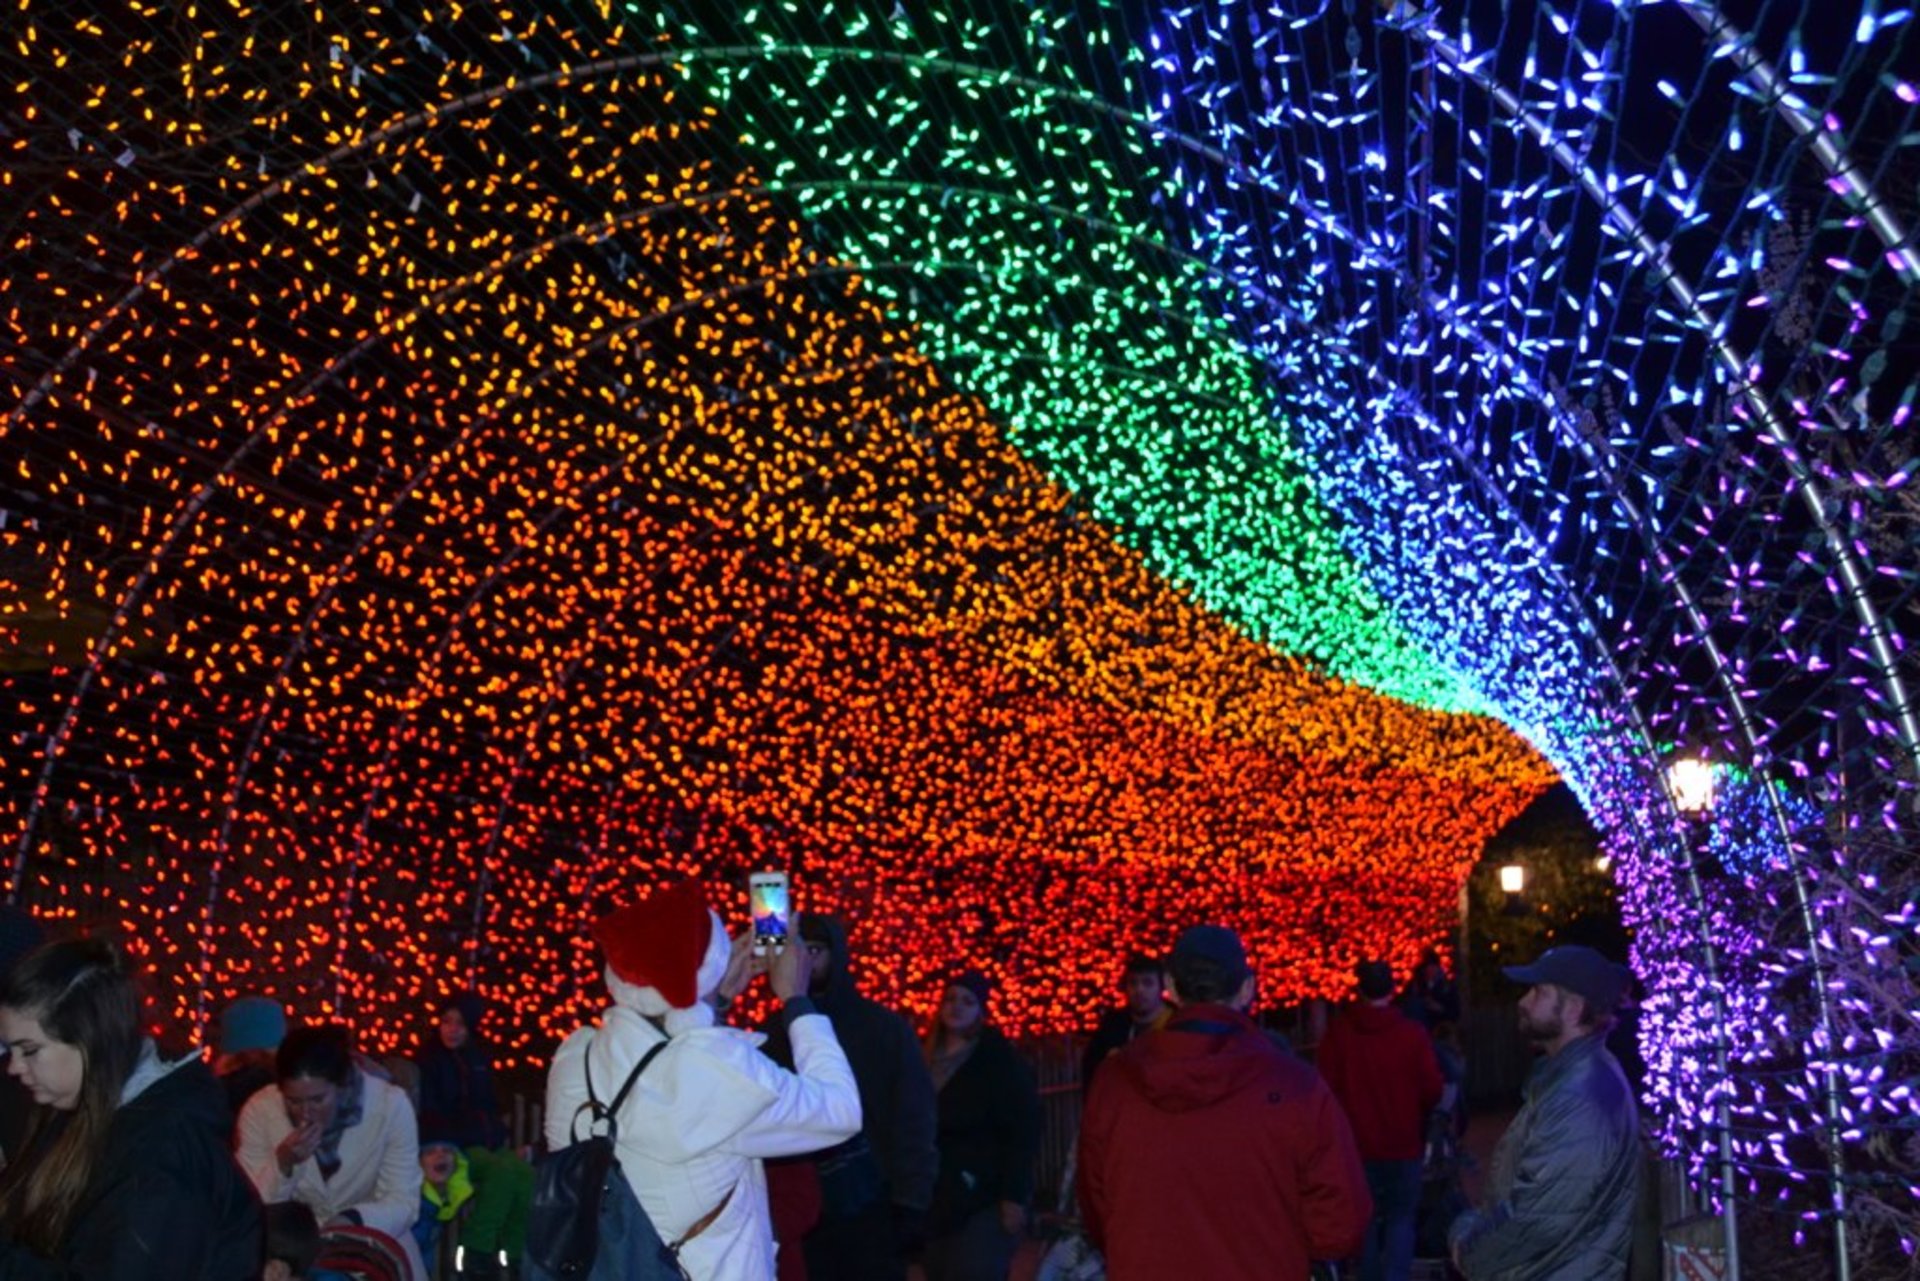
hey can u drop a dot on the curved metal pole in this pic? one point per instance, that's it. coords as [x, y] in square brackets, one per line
[1843, 174]
[1732, 364]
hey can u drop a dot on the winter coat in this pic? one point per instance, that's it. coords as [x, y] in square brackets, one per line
[379, 1176]
[989, 1134]
[166, 1201]
[1208, 1151]
[458, 1103]
[1560, 1196]
[700, 1120]
[1113, 1033]
[896, 1090]
[1380, 1064]
[1431, 1004]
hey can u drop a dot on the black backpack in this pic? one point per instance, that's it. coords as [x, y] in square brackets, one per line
[585, 1223]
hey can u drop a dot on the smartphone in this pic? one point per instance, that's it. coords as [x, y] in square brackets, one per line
[772, 911]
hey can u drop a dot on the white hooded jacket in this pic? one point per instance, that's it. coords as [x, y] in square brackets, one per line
[702, 1116]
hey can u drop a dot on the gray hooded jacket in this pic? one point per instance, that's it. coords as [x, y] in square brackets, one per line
[1561, 1192]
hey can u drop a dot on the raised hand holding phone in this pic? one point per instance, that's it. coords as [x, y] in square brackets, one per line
[744, 964]
[791, 973]
[771, 908]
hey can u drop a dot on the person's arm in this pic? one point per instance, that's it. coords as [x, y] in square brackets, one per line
[1016, 1127]
[262, 1126]
[1090, 1165]
[486, 1097]
[395, 1203]
[817, 1104]
[436, 1085]
[1427, 1066]
[914, 1162]
[814, 1106]
[1335, 1203]
[566, 1089]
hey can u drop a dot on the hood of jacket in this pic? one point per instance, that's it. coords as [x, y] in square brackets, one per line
[473, 1011]
[163, 1103]
[838, 988]
[156, 1084]
[1205, 1053]
[1368, 1019]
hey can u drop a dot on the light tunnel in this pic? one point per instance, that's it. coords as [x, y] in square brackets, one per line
[1041, 474]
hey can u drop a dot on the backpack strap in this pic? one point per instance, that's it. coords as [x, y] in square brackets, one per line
[612, 1111]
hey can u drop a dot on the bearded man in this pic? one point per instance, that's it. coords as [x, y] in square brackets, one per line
[1561, 1193]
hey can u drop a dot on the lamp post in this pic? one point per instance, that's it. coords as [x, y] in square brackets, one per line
[1690, 782]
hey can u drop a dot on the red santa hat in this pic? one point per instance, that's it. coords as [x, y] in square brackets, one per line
[669, 949]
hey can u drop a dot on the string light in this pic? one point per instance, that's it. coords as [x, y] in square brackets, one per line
[1040, 474]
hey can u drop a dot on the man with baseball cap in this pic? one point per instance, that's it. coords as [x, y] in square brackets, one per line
[1208, 1151]
[1559, 1200]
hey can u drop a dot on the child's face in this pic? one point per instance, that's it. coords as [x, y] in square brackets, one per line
[277, 1270]
[436, 1163]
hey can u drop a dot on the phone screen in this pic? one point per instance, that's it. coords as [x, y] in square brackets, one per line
[767, 901]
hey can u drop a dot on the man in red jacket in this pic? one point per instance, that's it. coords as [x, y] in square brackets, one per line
[1382, 1068]
[1208, 1151]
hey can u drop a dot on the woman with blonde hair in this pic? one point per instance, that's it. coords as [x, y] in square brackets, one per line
[124, 1174]
[989, 1136]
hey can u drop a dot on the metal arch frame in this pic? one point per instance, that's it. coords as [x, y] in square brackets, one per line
[478, 98]
[1842, 170]
[1623, 220]
[1833, 156]
[1873, 624]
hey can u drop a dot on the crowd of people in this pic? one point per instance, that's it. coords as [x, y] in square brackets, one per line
[833, 1143]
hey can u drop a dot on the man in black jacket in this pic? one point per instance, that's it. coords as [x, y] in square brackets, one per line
[876, 1186]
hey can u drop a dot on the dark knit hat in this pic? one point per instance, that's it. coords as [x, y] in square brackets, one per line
[1215, 943]
[975, 982]
[251, 1023]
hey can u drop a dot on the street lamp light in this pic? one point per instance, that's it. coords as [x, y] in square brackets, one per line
[1691, 780]
[1513, 881]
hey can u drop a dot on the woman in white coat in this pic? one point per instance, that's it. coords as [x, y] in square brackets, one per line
[341, 1142]
[710, 1105]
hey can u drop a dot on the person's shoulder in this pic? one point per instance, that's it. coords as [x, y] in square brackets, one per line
[730, 1045]
[386, 1098]
[264, 1104]
[179, 1114]
[1408, 1028]
[854, 1009]
[1279, 1068]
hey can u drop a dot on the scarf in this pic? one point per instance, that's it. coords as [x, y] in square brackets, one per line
[352, 1106]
